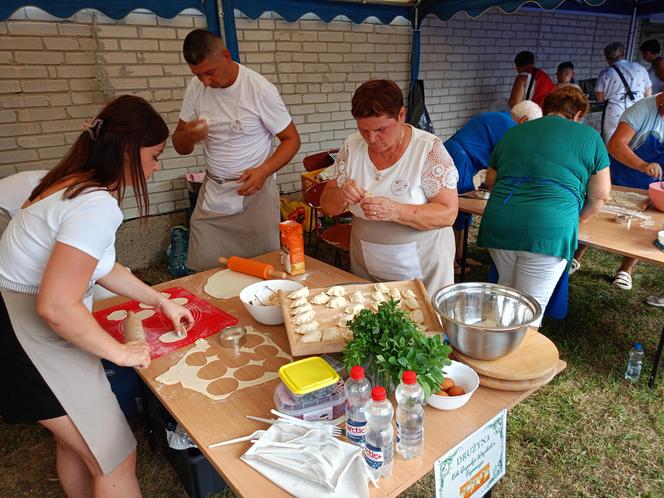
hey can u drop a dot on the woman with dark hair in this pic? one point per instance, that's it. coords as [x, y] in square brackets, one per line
[53, 251]
[545, 176]
[400, 184]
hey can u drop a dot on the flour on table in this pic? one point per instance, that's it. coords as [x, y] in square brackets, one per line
[117, 315]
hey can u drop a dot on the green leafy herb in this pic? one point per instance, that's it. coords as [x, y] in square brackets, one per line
[388, 343]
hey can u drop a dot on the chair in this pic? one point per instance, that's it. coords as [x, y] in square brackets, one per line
[337, 236]
[319, 160]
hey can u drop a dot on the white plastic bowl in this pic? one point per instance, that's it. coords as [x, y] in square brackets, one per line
[267, 315]
[463, 376]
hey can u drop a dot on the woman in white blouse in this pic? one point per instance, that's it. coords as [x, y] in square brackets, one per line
[400, 184]
[53, 251]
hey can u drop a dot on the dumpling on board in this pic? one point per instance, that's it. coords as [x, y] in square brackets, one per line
[336, 290]
[417, 316]
[303, 292]
[354, 309]
[302, 318]
[395, 293]
[305, 328]
[321, 298]
[343, 321]
[331, 334]
[378, 297]
[409, 294]
[412, 304]
[313, 336]
[298, 302]
[337, 302]
[357, 297]
[301, 309]
[381, 287]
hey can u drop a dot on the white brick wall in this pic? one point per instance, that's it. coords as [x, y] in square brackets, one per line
[56, 73]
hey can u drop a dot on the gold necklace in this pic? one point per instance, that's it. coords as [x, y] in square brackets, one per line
[379, 173]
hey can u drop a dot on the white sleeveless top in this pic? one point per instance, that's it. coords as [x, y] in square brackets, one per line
[420, 173]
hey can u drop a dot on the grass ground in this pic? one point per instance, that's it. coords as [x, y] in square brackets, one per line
[584, 434]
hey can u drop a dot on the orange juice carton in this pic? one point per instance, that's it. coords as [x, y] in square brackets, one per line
[292, 247]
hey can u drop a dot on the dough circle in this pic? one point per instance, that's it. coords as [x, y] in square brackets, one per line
[117, 315]
[170, 336]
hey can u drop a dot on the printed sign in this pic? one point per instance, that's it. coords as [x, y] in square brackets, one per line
[475, 465]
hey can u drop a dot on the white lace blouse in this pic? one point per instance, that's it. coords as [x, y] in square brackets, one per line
[420, 173]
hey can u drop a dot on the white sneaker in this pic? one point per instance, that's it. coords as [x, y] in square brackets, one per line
[656, 300]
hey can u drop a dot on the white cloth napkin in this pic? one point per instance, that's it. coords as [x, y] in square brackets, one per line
[309, 462]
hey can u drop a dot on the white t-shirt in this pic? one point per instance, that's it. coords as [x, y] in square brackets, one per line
[644, 119]
[419, 174]
[612, 86]
[87, 222]
[15, 189]
[242, 120]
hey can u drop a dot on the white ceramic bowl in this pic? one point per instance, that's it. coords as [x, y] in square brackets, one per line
[267, 315]
[463, 376]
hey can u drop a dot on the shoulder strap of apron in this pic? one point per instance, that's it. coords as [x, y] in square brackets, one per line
[628, 90]
[531, 83]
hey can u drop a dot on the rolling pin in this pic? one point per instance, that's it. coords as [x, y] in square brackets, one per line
[251, 267]
[133, 328]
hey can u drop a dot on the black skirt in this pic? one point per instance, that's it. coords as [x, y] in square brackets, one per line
[24, 394]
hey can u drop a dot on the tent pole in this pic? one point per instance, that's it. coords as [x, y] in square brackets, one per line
[230, 30]
[415, 47]
[212, 16]
[631, 40]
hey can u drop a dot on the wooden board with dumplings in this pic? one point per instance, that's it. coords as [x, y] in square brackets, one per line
[316, 320]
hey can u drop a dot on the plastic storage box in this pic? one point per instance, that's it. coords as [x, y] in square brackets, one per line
[330, 407]
[125, 385]
[197, 475]
[309, 379]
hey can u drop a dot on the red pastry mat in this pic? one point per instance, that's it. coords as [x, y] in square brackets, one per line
[208, 320]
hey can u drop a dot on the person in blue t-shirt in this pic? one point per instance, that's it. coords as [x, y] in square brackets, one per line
[472, 145]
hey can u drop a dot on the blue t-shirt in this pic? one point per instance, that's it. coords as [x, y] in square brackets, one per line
[644, 119]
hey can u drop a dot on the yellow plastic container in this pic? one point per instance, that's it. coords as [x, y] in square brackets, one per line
[311, 377]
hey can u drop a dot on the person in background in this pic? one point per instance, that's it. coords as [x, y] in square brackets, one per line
[545, 176]
[59, 243]
[531, 83]
[235, 112]
[565, 75]
[620, 85]
[400, 184]
[650, 51]
[470, 148]
[637, 159]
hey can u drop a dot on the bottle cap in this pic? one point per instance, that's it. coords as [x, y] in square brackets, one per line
[638, 346]
[357, 372]
[409, 377]
[378, 393]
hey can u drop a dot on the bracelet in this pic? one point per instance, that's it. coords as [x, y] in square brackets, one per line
[163, 298]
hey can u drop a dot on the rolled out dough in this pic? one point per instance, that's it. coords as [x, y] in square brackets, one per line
[180, 300]
[228, 283]
[171, 336]
[117, 315]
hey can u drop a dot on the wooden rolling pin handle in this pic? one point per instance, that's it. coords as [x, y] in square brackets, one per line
[133, 328]
[277, 274]
[223, 261]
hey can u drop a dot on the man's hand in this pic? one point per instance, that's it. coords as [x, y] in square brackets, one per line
[252, 181]
[652, 169]
[187, 135]
[196, 131]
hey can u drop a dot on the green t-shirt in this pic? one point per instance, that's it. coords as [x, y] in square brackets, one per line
[543, 170]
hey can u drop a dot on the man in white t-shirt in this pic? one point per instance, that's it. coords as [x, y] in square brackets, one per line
[620, 85]
[235, 112]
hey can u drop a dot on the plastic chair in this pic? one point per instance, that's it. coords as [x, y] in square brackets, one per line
[319, 160]
[338, 235]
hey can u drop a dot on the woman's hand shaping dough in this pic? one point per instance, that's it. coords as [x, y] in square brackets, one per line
[353, 193]
[379, 208]
[181, 317]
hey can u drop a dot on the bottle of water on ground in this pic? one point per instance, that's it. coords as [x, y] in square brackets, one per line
[410, 416]
[379, 435]
[634, 364]
[358, 393]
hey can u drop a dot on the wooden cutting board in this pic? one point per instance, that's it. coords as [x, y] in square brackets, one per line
[522, 385]
[535, 358]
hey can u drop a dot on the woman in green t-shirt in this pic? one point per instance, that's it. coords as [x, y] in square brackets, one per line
[545, 176]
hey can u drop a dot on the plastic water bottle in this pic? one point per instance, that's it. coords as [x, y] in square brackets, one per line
[379, 435]
[358, 392]
[410, 416]
[634, 364]
[177, 251]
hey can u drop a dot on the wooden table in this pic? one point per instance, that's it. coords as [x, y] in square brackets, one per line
[208, 422]
[602, 232]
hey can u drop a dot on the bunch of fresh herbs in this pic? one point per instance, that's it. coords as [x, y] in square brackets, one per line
[388, 343]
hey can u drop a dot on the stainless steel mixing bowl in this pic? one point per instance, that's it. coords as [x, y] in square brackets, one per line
[485, 321]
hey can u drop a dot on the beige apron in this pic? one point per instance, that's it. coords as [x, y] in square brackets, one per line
[252, 231]
[77, 380]
[384, 251]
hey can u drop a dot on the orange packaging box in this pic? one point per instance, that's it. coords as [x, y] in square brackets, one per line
[292, 247]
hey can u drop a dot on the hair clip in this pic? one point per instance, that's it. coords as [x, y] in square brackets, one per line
[93, 127]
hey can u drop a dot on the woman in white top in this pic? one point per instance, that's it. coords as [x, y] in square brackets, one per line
[400, 184]
[53, 251]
